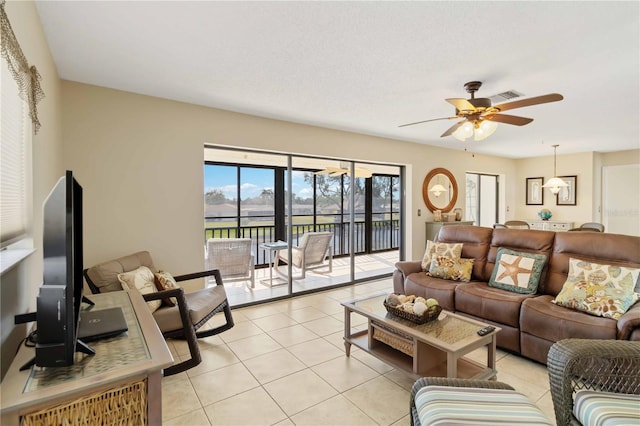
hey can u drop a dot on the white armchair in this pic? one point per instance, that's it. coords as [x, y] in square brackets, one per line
[232, 257]
[314, 251]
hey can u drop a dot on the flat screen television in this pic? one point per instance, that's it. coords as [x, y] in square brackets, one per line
[60, 296]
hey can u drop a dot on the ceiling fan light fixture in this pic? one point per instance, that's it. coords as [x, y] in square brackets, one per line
[485, 129]
[463, 132]
[555, 184]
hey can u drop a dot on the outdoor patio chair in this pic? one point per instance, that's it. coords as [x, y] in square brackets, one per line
[314, 251]
[190, 311]
[232, 257]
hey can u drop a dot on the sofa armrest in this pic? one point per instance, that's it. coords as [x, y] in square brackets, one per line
[408, 267]
[404, 269]
[629, 321]
[203, 274]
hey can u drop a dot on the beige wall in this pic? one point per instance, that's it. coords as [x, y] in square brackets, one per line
[140, 162]
[20, 284]
[588, 169]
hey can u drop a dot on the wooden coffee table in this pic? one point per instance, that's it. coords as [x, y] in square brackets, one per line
[435, 349]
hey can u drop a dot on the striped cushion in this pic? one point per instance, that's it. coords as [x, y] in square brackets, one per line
[446, 405]
[604, 408]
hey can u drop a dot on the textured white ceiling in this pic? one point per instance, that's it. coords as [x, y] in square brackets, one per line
[368, 67]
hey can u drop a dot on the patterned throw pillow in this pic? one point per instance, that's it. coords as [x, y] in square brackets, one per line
[165, 281]
[141, 279]
[451, 269]
[440, 249]
[518, 272]
[600, 290]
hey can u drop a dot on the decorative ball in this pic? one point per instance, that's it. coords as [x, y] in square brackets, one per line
[393, 300]
[419, 308]
[420, 299]
[432, 302]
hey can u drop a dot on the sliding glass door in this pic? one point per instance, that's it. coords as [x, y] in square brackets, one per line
[302, 202]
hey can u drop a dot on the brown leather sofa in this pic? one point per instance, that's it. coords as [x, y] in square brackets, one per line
[530, 322]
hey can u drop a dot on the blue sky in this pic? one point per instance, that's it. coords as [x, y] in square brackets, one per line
[254, 181]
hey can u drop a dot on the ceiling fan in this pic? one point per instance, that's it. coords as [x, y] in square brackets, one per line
[360, 172]
[480, 118]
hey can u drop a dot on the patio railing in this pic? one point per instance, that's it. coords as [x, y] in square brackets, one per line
[385, 235]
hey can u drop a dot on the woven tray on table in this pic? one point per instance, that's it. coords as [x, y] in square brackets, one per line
[430, 314]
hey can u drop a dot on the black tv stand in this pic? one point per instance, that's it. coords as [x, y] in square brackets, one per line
[31, 317]
[80, 347]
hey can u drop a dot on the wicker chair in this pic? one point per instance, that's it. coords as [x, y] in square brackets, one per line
[314, 251]
[233, 258]
[602, 365]
[182, 321]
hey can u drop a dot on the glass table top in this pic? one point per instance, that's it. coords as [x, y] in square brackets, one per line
[448, 328]
[125, 349]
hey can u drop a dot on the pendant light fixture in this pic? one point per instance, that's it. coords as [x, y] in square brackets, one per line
[555, 183]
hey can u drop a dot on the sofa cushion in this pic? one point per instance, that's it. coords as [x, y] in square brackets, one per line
[475, 245]
[541, 318]
[493, 304]
[421, 284]
[606, 408]
[440, 249]
[598, 247]
[449, 405]
[517, 271]
[451, 269]
[105, 275]
[199, 303]
[142, 280]
[597, 289]
[520, 240]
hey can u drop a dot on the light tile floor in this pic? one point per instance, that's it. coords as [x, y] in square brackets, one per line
[284, 364]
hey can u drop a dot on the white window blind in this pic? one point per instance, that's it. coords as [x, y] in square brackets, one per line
[15, 136]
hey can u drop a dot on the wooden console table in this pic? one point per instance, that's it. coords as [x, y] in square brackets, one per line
[125, 372]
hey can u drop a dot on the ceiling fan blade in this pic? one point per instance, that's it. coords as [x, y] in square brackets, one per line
[426, 121]
[461, 104]
[361, 172]
[452, 129]
[552, 97]
[510, 119]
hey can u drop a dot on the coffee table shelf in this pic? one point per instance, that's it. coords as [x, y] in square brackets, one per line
[435, 349]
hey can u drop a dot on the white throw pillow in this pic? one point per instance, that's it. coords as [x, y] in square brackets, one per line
[141, 279]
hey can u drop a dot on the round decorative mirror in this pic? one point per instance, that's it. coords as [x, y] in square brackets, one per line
[440, 190]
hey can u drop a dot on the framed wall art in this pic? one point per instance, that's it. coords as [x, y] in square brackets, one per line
[567, 195]
[535, 194]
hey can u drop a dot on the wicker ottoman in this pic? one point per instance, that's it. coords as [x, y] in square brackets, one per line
[436, 400]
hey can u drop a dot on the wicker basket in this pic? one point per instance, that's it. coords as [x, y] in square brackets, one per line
[125, 405]
[403, 344]
[430, 314]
